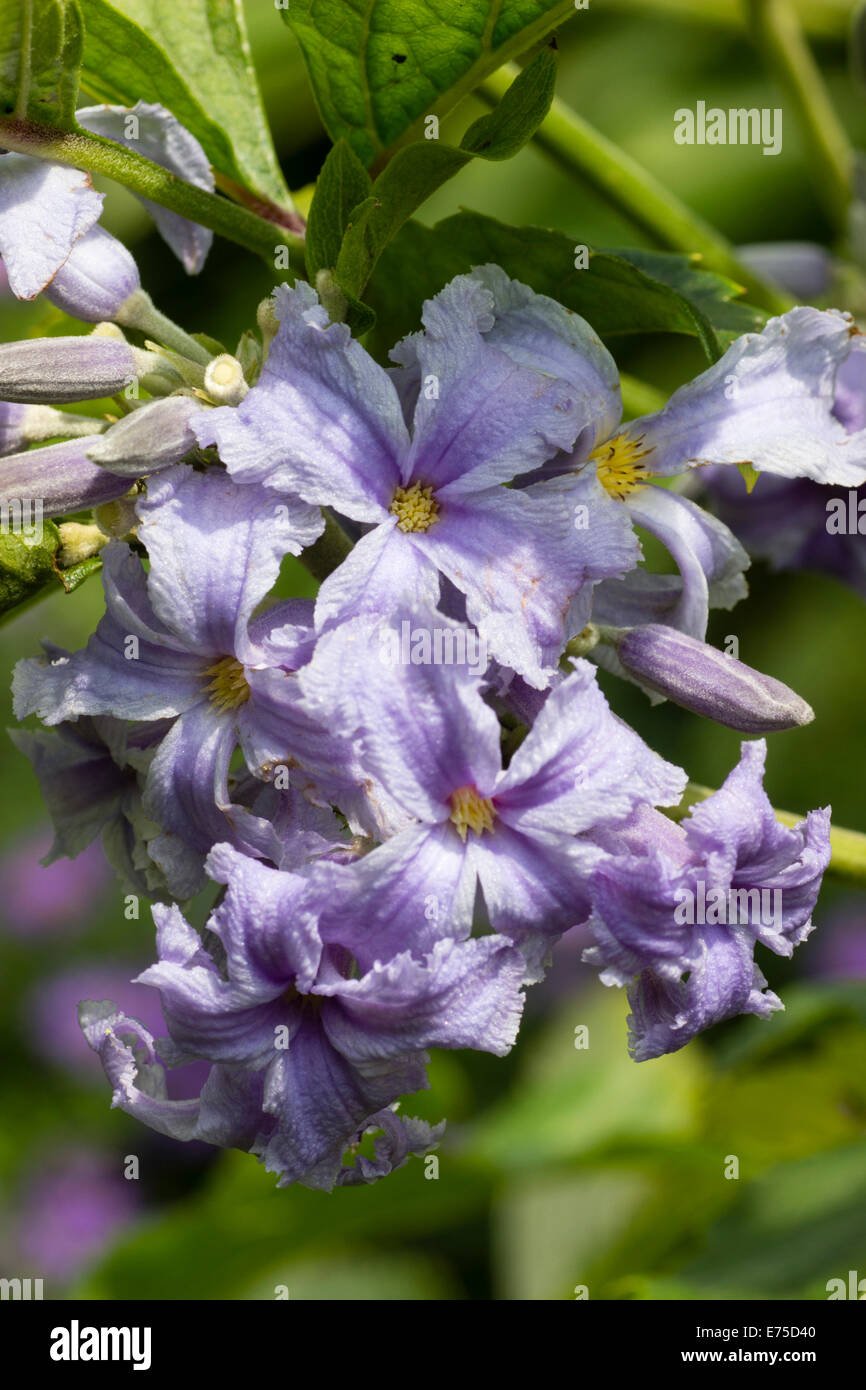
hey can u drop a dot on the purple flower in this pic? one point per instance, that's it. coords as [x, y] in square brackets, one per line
[500, 380]
[36, 899]
[795, 523]
[678, 909]
[182, 644]
[46, 209]
[71, 1213]
[771, 401]
[318, 1047]
[428, 737]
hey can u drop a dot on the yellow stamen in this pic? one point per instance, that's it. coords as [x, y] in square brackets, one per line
[619, 468]
[471, 811]
[228, 687]
[415, 507]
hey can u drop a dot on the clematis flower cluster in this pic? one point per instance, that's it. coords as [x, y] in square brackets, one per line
[398, 796]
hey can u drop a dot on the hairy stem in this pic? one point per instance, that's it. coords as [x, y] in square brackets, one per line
[99, 156]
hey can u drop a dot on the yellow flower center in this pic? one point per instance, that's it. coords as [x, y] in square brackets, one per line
[471, 811]
[415, 507]
[228, 685]
[619, 467]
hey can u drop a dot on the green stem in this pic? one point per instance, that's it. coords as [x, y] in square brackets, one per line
[329, 551]
[99, 156]
[779, 35]
[579, 148]
[847, 847]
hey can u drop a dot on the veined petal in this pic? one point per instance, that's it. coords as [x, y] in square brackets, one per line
[132, 667]
[768, 401]
[160, 137]
[266, 922]
[423, 729]
[516, 556]
[491, 417]
[709, 557]
[208, 1016]
[408, 893]
[738, 825]
[320, 1102]
[724, 981]
[44, 209]
[187, 785]
[323, 420]
[580, 765]
[535, 887]
[227, 1113]
[464, 994]
[215, 550]
[384, 570]
[540, 333]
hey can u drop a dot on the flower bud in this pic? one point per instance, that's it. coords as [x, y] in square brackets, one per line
[224, 380]
[60, 477]
[153, 437]
[708, 682]
[21, 425]
[65, 369]
[96, 279]
[79, 541]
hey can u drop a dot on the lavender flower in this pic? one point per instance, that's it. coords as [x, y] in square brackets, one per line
[522, 832]
[678, 910]
[182, 644]
[318, 1049]
[796, 523]
[489, 400]
[46, 209]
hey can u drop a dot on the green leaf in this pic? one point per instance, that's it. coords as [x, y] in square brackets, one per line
[612, 293]
[193, 58]
[574, 1101]
[714, 294]
[76, 574]
[792, 1231]
[40, 53]
[26, 564]
[378, 67]
[420, 168]
[342, 184]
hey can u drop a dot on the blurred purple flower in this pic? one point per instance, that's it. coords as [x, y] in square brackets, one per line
[35, 899]
[71, 1212]
[840, 951]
